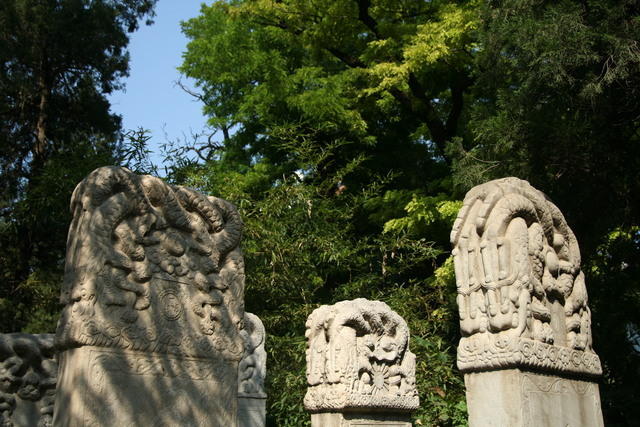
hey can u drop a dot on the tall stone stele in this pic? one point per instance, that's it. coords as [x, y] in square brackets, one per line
[150, 333]
[526, 350]
[360, 371]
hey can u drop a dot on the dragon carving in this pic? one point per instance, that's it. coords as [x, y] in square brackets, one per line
[151, 266]
[521, 293]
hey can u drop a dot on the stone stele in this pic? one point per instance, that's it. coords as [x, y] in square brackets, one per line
[526, 348]
[360, 371]
[28, 372]
[153, 294]
[252, 371]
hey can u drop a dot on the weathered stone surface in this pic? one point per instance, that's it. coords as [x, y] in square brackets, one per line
[522, 302]
[252, 372]
[252, 411]
[27, 379]
[511, 397]
[154, 301]
[355, 419]
[358, 360]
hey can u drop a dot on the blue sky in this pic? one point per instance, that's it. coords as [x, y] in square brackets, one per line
[151, 99]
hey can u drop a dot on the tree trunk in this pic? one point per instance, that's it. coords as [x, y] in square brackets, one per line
[44, 92]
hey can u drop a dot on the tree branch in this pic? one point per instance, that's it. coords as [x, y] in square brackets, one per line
[457, 102]
[365, 18]
[191, 92]
[437, 129]
[349, 60]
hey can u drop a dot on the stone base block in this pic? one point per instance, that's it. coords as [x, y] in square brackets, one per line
[108, 387]
[357, 419]
[252, 411]
[515, 398]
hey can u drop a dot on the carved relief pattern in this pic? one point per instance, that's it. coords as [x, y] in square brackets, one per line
[521, 295]
[146, 364]
[28, 372]
[252, 368]
[152, 267]
[358, 357]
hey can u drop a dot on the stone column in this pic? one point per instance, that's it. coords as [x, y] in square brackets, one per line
[252, 372]
[27, 379]
[150, 333]
[360, 371]
[526, 349]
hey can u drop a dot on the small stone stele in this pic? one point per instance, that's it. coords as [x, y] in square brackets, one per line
[153, 294]
[360, 371]
[252, 372]
[28, 371]
[526, 348]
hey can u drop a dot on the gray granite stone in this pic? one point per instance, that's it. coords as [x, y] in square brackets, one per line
[28, 372]
[252, 411]
[153, 296]
[356, 419]
[512, 397]
[252, 372]
[358, 360]
[526, 347]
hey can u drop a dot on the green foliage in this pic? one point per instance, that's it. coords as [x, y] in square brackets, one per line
[614, 297]
[385, 76]
[431, 98]
[58, 60]
[557, 82]
[423, 212]
[304, 247]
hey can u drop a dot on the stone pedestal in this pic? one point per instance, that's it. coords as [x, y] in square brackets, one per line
[360, 371]
[526, 348]
[512, 397]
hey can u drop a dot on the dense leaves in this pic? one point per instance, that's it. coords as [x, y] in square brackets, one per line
[560, 82]
[334, 119]
[304, 246]
[348, 132]
[430, 98]
[58, 60]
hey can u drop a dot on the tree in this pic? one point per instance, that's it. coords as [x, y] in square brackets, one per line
[58, 60]
[557, 84]
[388, 76]
[335, 116]
[303, 247]
[433, 97]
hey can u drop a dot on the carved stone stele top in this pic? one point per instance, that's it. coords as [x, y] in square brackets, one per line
[358, 359]
[28, 371]
[521, 295]
[252, 369]
[152, 267]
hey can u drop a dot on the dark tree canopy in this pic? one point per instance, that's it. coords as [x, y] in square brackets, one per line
[58, 61]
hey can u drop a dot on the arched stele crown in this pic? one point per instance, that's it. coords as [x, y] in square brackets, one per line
[521, 294]
[252, 369]
[358, 359]
[152, 267]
